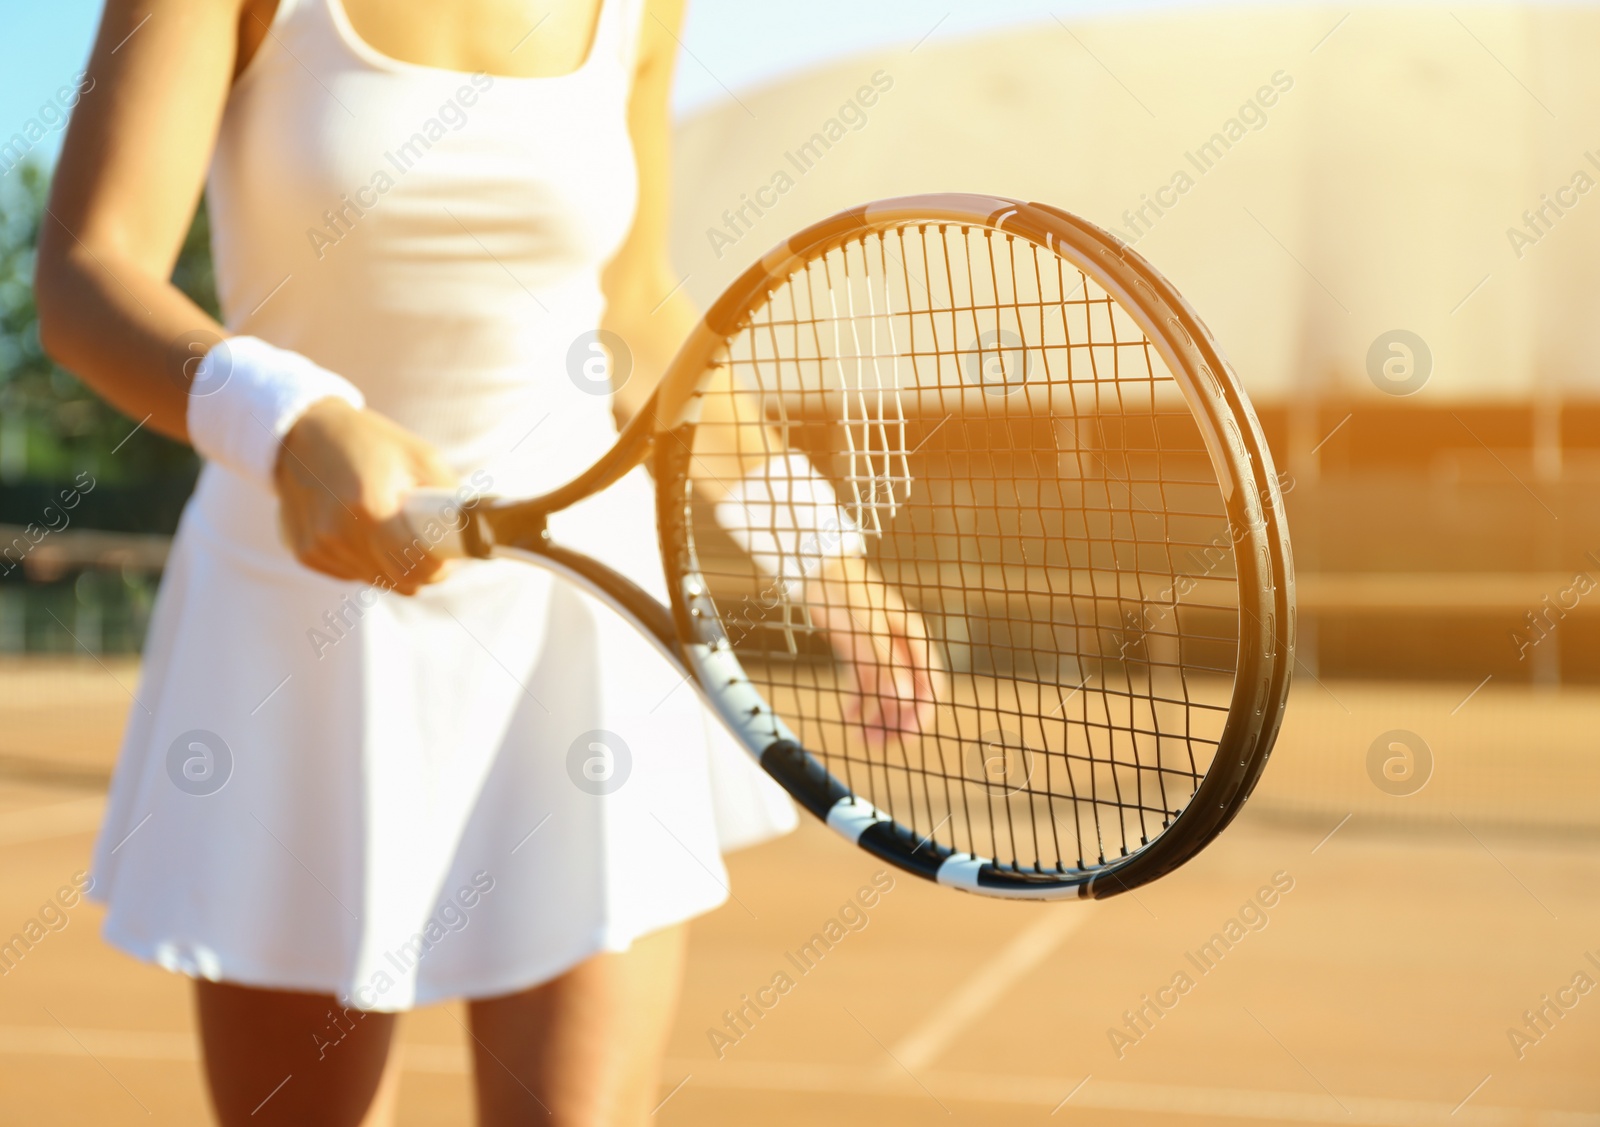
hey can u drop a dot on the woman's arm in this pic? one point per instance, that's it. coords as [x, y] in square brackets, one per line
[131, 171]
[883, 642]
[639, 279]
[645, 302]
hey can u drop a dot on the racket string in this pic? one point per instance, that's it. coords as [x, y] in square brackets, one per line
[1032, 485]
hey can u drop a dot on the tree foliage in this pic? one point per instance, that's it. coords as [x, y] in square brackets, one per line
[52, 426]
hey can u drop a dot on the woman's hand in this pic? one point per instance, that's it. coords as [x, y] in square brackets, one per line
[341, 476]
[883, 642]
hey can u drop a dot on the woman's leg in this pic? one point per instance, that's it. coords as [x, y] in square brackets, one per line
[585, 1049]
[277, 1056]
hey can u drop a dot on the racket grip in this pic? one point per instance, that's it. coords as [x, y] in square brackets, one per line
[445, 523]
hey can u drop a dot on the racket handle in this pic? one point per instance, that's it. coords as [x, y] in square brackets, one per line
[446, 523]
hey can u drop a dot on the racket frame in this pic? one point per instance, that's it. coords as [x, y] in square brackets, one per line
[689, 632]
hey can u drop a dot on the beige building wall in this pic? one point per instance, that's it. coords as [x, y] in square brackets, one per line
[1375, 193]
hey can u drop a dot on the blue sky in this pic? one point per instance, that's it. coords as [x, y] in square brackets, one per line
[44, 45]
[732, 44]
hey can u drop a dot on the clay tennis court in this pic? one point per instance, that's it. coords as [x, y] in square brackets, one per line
[1378, 988]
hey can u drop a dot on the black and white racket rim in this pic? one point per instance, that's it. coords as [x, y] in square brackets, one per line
[1054, 465]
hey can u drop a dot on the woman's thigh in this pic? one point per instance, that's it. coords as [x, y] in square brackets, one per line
[585, 1049]
[278, 1056]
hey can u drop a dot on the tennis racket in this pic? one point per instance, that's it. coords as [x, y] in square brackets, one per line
[1044, 465]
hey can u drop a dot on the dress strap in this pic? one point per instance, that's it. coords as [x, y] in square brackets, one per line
[618, 31]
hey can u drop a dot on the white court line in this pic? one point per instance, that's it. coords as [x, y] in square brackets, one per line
[1041, 1092]
[59, 819]
[1017, 959]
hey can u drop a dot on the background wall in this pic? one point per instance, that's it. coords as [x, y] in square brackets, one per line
[1376, 193]
[1374, 189]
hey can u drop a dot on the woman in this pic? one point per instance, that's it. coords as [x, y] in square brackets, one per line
[354, 782]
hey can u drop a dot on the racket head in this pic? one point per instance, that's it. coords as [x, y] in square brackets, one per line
[1130, 462]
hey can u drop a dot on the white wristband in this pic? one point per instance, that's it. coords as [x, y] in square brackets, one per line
[787, 518]
[246, 395]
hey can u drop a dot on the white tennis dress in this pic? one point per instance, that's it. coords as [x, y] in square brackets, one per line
[464, 793]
